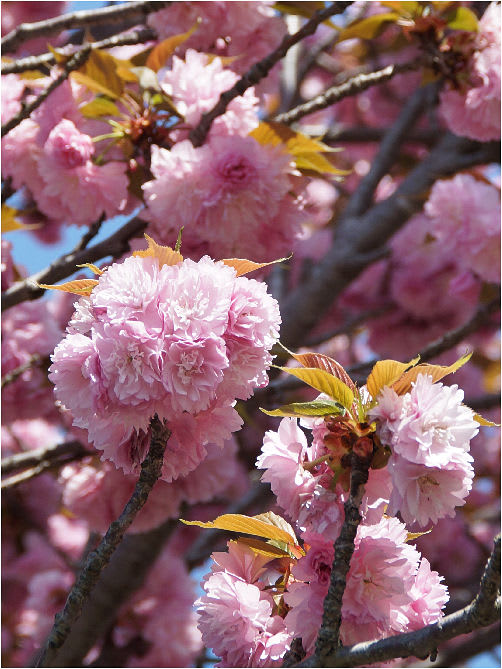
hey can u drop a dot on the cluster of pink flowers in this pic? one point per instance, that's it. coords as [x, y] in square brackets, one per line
[183, 341]
[233, 195]
[474, 110]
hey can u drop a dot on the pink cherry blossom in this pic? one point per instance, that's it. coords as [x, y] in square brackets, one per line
[429, 596]
[233, 196]
[474, 111]
[464, 216]
[195, 85]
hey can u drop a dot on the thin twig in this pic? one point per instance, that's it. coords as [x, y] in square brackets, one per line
[116, 245]
[329, 634]
[350, 326]
[151, 468]
[47, 59]
[48, 454]
[261, 69]
[73, 64]
[93, 230]
[353, 86]
[80, 19]
[36, 360]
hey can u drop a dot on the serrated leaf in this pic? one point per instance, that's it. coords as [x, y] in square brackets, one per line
[10, 221]
[403, 385]
[78, 287]
[411, 536]
[463, 18]
[484, 421]
[93, 268]
[324, 382]
[274, 519]
[236, 522]
[99, 107]
[314, 408]
[322, 361]
[315, 162]
[386, 373]
[160, 53]
[164, 254]
[243, 266]
[369, 27]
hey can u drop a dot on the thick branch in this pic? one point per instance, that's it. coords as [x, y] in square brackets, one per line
[261, 69]
[102, 15]
[97, 560]
[357, 240]
[353, 86]
[73, 64]
[47, 59]
[481, 612]
[35, 361]
[116, 245]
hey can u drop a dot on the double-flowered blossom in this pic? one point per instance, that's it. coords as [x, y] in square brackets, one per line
[428, 430]
[474, 110]
[166, 339]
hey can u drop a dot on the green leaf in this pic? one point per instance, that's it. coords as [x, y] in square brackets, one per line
[463, 18]
[314, 408]
[324, 382]
[321, 361]
[99, 107]
[368, 27]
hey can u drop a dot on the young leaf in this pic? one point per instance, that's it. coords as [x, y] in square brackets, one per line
[78, 287]
[385, 373]
[322, 361]
[243, 266]
[484, 421]
[411, 536]
[403, 385]
[99, 74]
[236, 522]
[263, 548]
[463, 18]
[324, 383]
[161, 53]
[10, 221]
[99, 107]
[93, 268]
[368, 27]
[314, 408]
[164, 254]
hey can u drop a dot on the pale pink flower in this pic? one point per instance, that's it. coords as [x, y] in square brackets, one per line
[474, 111]
[429, 597]
[239, 560]
[68, 535]
[195, 85]
[464, 217]
[322, 512]
[12, 90]
[424, 494]
[432, 424]
[305, 615]
[14, 13]
[236, 621]
[233, 196]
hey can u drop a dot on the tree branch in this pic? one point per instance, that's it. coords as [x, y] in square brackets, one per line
[116, 245]
[151, 468]
[80, 19]
[481, 612]
[352, 86]
[261, 69]
[356, 240]
[73, 64]
[35, 361]
[49, 454]
[47, 59]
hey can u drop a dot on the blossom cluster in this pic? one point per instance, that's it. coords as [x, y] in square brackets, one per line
[390, 587]
[182, 341]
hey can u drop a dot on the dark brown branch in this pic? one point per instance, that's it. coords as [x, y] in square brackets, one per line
[353, 86]
[80, 19]
[364, 134]
[35, 361]
[483, 641]
[50, 454]
[47, 59]
[261, 69]
[116, 245]
[74, 63]
[357, 240]
[481, 612]
[329, 634]
[97, 560]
